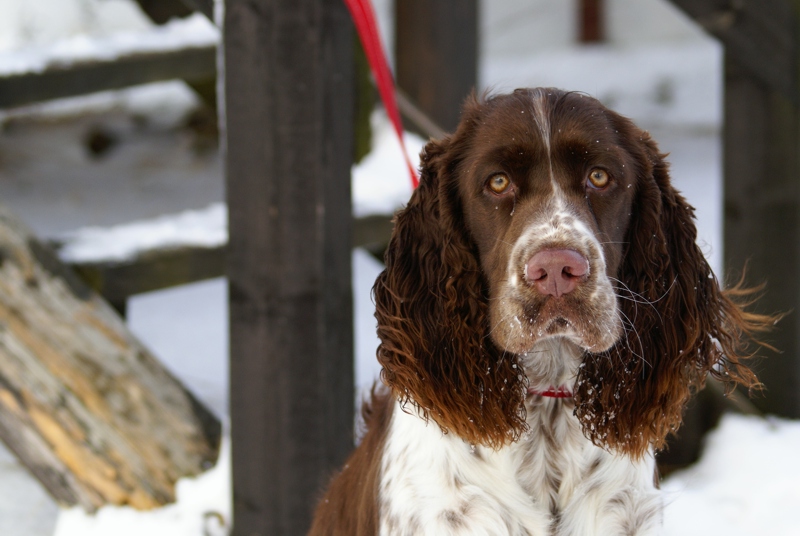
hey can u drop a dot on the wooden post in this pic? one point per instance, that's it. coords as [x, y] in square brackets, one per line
[436, 52]
[762, 170]
[762, 219]
[289, 136]
[592, 21]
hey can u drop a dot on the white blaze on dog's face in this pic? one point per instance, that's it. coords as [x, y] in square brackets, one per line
[549, 201]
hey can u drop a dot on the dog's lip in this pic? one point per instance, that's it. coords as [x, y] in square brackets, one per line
[558, 322]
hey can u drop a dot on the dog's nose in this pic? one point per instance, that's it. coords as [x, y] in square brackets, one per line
[556, 272]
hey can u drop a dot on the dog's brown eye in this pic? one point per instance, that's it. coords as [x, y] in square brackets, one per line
[499, 183]
[599, 178]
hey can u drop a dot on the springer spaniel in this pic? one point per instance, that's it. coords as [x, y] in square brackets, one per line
[544, 316]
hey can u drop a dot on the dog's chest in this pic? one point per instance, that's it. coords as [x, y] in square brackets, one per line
[437, 484]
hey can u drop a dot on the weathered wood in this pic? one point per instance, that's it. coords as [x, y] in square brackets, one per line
[289, 106]
[162, 11]
[436, 53]
[591, 21]
[86, 408]
[759, 34]
[762, 218]
[206, 7]
[152, 270]
[161, 268]
[59, 81]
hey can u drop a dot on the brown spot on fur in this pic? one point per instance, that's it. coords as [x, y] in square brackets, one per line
[350, 505]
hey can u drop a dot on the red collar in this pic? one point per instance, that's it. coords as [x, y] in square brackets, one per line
[552, 392]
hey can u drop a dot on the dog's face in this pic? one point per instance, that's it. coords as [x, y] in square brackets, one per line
[547, 190]
[546, 217]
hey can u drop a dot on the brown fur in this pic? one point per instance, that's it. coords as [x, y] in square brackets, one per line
[441, 356]
[350, 505]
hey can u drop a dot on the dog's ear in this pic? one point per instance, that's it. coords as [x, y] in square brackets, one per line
[679, 325]
[431, 304]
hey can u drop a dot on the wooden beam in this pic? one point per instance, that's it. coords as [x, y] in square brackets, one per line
[161, 268]
[59, 81]
[162, 11]
[759, 34]
[206, 7]
[289, 106]
[762, 217]
[83, 405]
[157, 269]
[436, 51]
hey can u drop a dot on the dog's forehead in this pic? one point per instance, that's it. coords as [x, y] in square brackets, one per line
[536, 117]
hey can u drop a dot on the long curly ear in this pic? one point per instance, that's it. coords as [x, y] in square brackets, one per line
[679, 324]
[433, 319]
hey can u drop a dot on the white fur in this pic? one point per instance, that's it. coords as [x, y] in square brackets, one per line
[542, 118]
[436, 484]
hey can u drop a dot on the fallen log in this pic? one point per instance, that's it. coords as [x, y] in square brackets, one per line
[85, 406]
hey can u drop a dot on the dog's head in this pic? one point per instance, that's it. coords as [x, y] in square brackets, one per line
[548, 218]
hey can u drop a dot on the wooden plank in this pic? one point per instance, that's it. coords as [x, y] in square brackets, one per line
[760, 34]
[289, 106]
[206, 7]
[436, 52]
[84, 406]
[762, 218]
[162, 268]
[162, 11]
[152, 270]
[59, 81]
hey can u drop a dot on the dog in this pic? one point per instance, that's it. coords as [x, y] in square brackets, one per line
[544, 316]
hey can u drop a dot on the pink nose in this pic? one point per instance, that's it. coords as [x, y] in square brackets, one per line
[556, 272]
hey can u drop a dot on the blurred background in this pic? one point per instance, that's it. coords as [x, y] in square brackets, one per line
[109, 149]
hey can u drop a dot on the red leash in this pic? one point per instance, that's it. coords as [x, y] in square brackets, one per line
[364, 19]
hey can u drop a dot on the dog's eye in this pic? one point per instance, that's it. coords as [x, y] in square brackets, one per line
[499, 183]
[599, 178]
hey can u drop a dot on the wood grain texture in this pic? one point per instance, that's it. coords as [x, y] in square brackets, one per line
[436, 51]
[762, 219]
[59, 81]
[289, 123]
[83, 404]
[759, 34]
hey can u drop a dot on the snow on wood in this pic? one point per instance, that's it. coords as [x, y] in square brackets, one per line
[195, 31]
[207, 227]
[86, 407]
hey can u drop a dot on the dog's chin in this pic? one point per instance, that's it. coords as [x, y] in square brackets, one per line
[522, 337]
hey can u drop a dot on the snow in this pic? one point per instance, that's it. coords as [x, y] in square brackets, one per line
[745, 483]
[381, 183]
[25, 24]
[207, 228]
[203, 507]
[191, 32]
[677, 85]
